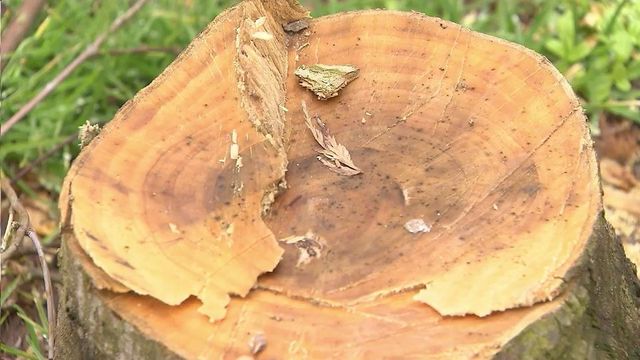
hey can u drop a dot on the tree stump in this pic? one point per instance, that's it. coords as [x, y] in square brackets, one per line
[201, 224]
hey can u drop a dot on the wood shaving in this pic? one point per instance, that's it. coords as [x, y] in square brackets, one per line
[262, 35]
[234, 150]
[257, 343]
[415, 226]
[326, 80]
[260, 21]
[406, 196]
[309, 245]
[174, 228]
[333, 154]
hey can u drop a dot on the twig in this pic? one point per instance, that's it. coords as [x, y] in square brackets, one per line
[88, 52]
[23, 218]
[51, 312]
[25, 227]
[17, 29]
[7, 232]
[25, 170]
[142, 50]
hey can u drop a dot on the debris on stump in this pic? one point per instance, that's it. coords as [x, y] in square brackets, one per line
[333, 155]
[326, 80]
[296, 26]
[415, 226]
[87, 133]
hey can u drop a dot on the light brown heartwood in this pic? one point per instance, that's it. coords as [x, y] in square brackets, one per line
[172, 216]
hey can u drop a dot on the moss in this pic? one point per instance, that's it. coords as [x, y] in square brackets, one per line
[600, 318]
[89, 329]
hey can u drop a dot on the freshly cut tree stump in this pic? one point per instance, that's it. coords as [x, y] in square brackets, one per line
[455, 211]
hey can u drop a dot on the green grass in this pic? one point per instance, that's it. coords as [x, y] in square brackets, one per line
[36, 329]
[594, 43]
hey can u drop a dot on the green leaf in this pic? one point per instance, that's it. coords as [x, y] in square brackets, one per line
[598, 87]
[42, 315]
[620, 77]
[16, 352]
[580, 52]
[633, 70]
[8, 290]
[4, 317]
[622, 45]
[566, 29]
[623, 84]
[556, 47]
[633, 115]
[33, 329]
[28, 321]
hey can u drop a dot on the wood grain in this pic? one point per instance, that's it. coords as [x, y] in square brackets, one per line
[480, 138]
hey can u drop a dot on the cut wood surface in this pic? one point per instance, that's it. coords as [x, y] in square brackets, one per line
[173, 214]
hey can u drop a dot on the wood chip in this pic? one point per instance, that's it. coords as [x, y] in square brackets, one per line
[262, 35]
[326, 80]
[87, 133]
[309, 245]
[257, 343]
[333, 155]
[260, 21]
[415, 226]
[296, 26]
[174, 228]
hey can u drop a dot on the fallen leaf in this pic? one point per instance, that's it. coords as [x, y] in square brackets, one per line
[333, 154]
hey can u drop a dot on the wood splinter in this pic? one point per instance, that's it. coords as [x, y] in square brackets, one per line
[326, 80]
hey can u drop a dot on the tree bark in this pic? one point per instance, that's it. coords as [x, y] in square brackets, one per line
[597, 317]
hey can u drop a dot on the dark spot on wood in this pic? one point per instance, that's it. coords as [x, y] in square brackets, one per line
[124, 263]
[296, 26]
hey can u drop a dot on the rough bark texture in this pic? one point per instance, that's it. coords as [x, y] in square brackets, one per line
[88, 329]
[599, 317]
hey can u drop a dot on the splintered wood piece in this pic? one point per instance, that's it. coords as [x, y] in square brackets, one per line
[168, 199]
[326, 80]
[473, 226]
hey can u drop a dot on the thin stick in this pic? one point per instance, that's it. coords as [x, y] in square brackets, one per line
[18, 28]
[23, 218]
[142, 50]
[51, 311]
[7, 234]
[25, 227]
[25, 170]
[91, 50]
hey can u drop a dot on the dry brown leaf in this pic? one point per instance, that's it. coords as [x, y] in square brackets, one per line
[334, 155]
